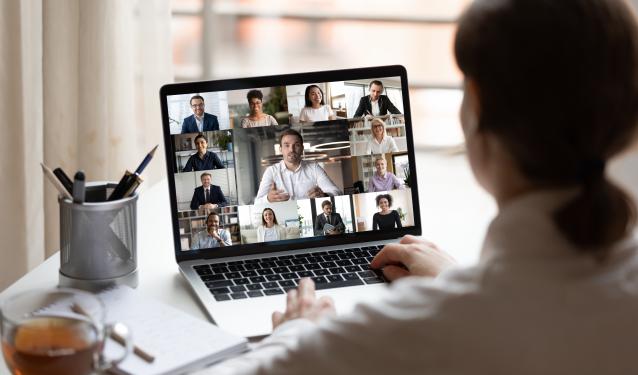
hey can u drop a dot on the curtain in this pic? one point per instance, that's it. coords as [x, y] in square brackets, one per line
[79, 84]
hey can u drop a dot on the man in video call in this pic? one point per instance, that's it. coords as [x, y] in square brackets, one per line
[203, 159]
[207, 195]
[382, 180]
[328, 217]
[199, 121]
[214, 235]
[375, 104]
[293, 178]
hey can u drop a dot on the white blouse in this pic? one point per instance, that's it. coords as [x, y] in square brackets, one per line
[322, 113]
[267, 120]
[533, 304]
[387, 144]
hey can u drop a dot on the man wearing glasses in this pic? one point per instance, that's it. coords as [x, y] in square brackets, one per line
[199, 121]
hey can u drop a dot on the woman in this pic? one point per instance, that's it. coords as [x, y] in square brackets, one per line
[315, 109]
[550, 94]
[385, 219]
[257, 117]
[203, 159]
[380, 142]
[270, 230]
[382, 180]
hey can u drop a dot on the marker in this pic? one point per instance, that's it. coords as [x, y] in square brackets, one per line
[54, 180]
[78, 187]
[64, 179]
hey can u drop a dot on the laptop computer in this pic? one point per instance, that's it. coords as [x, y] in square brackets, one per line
[260, 172]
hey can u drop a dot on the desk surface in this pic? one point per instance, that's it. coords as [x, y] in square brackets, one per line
[455, 213]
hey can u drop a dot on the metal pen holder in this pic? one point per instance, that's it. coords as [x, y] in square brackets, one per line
[98, 240]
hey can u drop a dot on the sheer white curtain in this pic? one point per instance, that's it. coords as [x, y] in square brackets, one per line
[79, 83]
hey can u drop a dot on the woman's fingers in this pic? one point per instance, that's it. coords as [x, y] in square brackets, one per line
[326, 306]
[392, 272]
[411, 256]
[277, 318]
[306, 295]
[302, 303]
[391, 254]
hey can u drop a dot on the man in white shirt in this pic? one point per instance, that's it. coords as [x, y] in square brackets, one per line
[294, 178]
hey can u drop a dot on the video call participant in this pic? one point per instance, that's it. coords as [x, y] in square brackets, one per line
[270, 230]
[214, 235]
[375, 104]
[328, 217]
[315, 108]
[203, 159]
[385, 219]
[382, 180]
[207, 195]
[199, 121]
[380, 142]
[257, 117]
[293, 178]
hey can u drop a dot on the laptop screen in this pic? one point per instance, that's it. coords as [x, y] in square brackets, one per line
[281, 162]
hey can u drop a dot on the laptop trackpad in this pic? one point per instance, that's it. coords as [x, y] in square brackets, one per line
[252, 317]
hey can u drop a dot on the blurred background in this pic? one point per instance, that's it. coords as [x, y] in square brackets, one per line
[237, 38]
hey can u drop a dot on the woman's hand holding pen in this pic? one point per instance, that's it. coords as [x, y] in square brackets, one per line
[412, 256]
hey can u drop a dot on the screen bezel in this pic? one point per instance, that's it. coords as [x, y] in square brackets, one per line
[285, 80]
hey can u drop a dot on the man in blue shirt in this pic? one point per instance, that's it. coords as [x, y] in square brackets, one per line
[214, 235]
[203, 159]
[199, 121]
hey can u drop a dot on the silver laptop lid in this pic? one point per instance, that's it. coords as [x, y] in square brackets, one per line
[264, 164]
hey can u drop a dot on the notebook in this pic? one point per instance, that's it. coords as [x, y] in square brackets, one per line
[178, 341]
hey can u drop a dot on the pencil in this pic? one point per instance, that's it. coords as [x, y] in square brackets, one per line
[54, 180]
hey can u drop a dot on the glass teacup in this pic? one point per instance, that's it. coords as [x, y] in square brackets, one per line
[57, 331]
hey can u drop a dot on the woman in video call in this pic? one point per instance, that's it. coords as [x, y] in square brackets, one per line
[203, 159]
[315, 109]
[385, 219]
[556, 288]
[270, 230]
[257, 117]
[380, 142]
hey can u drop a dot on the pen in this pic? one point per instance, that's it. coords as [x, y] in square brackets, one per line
[76, 308]
[78, 187]
[146, 160]
[54, 180]
[127, 184]
[64, 179]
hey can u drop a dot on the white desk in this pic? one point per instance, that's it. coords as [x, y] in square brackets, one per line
[454, 214]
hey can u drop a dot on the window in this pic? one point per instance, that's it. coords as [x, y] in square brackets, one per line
[224, 39]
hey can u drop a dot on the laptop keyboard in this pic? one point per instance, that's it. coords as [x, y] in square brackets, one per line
[270, 276]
